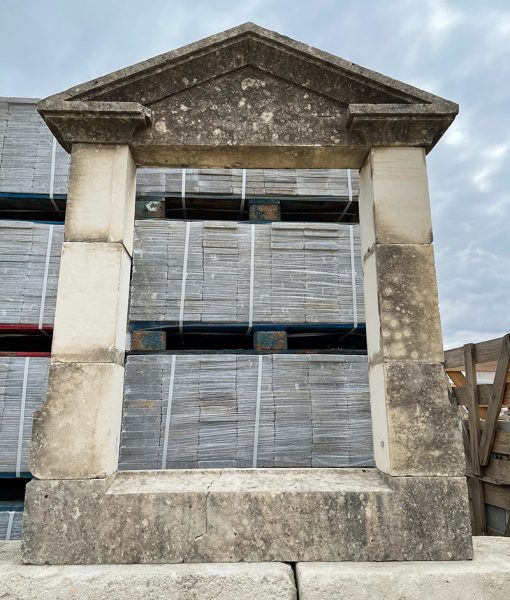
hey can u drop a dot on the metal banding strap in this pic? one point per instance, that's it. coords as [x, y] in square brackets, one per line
[52, 176]
[168, 412]
[353, 279]
[184, 277]
[45, 277]
[252, 278]
[183, 192]
[349, 191]
[243, 194]
[9, 525]
[22, 416]
[257, 414]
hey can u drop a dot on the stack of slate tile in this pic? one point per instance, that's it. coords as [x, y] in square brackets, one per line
[23, 383]
[11, 522]
[212, 411]
[302, 272]
[26, 147]
[29, 266]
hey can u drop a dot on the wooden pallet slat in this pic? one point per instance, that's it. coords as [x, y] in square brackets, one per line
[498, 393]
[473, 408]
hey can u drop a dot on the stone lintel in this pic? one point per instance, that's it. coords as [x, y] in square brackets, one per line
[233, 515]
[76, 432]
[211, 156]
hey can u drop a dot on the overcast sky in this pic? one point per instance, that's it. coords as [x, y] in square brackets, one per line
[457, 49]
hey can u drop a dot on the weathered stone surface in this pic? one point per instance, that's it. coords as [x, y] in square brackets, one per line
[485, 577]
[101, 199]
[268, 581]
[76, 433]
[394, 198]
[416, 428]
[401, 303]
[92, 303]
[222, 93]
[246, 515]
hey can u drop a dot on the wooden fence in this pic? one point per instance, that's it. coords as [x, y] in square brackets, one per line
[486, 423]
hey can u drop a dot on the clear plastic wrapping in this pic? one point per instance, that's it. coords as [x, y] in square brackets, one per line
[243, 410]
[29, 267]
[303, 272]
[23, 384]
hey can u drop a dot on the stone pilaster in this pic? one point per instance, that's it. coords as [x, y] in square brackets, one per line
[416, 429]
[76, 433]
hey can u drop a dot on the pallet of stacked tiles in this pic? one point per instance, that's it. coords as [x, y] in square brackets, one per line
[237, 410]
[225, 272]
[23, 383]
[11, 522]
[29, 267]
[30, 162]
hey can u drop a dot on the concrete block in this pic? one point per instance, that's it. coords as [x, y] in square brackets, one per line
[485, 577]
[401, 304]
[268, 581]
[76, 432]
[394, 198]
[416, 428]
[101, 198]
[232, 515]
[92, 303]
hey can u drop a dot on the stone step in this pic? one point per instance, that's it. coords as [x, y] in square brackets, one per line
[234, 515]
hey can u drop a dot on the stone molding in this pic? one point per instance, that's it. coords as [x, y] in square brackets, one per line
[218, 93]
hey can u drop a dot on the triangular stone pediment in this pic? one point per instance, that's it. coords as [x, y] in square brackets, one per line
[242, 88]
[246, 107]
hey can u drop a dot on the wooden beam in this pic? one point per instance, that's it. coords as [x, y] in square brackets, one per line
[485, 352]
[484, 394]
[473, 408]
[458, 378]
[475, 487]
[497, 495]
[501, 443]
[498, 470]
[498, 393]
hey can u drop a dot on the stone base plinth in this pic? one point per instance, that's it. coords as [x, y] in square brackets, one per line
[486, 577]
[231, 515]
[254, 581]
